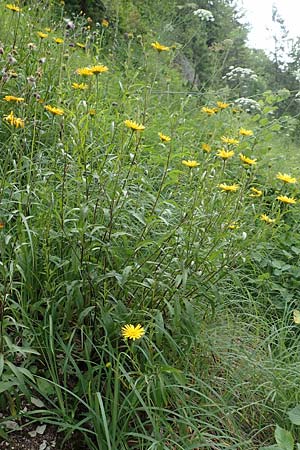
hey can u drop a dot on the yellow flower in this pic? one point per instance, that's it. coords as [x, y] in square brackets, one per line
[15, 121]
[80, 45]
[58, 40]
[229, 141]
[286, 178]
[54, 110]
[133, 125]
[13, 7]
[233, 226]
[228, 187]
[222, 105]
[244, 132]
[12, 98]
[266, 219]
[285, 199]
[247, 160]
[80, 86]
[256, 192]
[206, 148]
[159, 47]
[225, 154]
[190, 163]
[132, 332]
[104, 23]
[84, 71]
[42, 35]
[209, 111]
[98, 69]
[164, 138]
[92, 112]
[296, 316]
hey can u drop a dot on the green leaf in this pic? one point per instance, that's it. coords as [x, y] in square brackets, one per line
[294, 415]
[284, 438]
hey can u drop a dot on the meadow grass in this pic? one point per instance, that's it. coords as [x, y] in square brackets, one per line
[126, 201]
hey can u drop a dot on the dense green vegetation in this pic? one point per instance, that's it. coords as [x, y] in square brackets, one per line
[149, 234]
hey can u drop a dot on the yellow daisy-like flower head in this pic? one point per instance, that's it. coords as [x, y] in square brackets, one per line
[12, 98]
[15, 121]
[104, 23]
[84, 71]
[246, 160]
[54, 110]
[58, 40]
[190, 163]
[233, 226]
[222, 105]
[133, 332]
[206, 147]
[256, 192]
[98, 69]
[92, 112]
[209, 111]
[80, 45]
[228, 187]
[164, 138]
[286, 178]
[225, 154]
[159, 47]
[42, 35]
[13, 7]
[287, 200]
[266, 219]
[229, 141]
[133, 125]
[80, 86]
[296, 316]
[244, 132]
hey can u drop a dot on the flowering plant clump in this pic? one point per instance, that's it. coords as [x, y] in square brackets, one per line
[204, 15]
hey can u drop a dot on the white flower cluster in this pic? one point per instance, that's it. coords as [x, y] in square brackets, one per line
[248, 105]
[237, 74]
[204, 15]
[297, 75]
